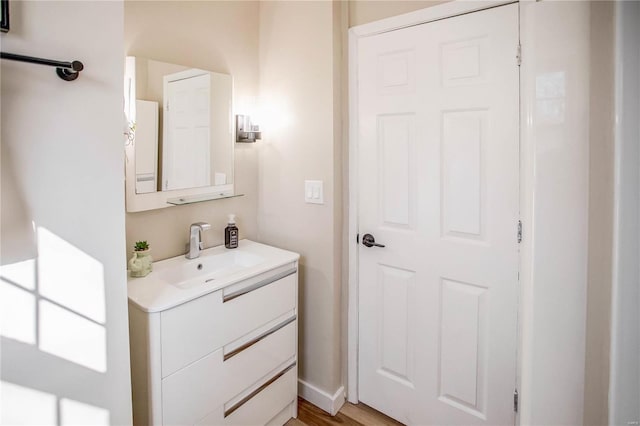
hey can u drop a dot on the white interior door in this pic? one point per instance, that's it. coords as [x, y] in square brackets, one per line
[187, 129]
[438, 186]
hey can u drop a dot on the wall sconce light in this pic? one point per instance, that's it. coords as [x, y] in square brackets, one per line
[245, 131]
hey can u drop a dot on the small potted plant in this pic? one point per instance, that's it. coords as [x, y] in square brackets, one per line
[141, 246]
[141, 263]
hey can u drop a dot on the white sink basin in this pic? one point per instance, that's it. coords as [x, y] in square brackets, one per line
[208, 267]
[177, 280]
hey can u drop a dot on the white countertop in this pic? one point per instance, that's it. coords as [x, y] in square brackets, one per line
[155, 292]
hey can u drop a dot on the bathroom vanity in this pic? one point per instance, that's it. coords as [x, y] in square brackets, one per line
[214, 339]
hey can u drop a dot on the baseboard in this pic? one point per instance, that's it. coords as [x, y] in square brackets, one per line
[329, 403]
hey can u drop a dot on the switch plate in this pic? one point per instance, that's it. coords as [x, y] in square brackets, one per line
[313, 192]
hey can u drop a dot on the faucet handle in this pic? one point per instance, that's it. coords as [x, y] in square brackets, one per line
[202, 225]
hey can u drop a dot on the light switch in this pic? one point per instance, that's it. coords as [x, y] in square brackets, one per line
[313, 192]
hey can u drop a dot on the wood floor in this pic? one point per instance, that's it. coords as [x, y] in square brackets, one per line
[349, 414]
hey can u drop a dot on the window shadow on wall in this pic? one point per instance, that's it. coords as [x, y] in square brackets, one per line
[52, 322]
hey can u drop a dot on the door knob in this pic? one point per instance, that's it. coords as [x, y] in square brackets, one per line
[369, 241]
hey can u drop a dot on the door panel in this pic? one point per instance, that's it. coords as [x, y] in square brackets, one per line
[395, 173]
[461, 167]
[397, 289]
[463, 338]
[438, 186]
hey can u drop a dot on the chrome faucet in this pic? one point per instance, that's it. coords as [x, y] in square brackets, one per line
[195, 239]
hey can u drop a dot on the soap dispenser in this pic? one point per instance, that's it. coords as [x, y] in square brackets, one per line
[231, 233]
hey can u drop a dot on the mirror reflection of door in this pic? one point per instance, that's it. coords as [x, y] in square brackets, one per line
[187, 127]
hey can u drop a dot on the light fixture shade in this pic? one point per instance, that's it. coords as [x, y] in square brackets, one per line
[245, 130]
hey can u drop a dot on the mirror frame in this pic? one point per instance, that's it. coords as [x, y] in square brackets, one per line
[160, 199]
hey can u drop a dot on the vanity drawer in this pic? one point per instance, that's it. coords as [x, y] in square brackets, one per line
[258, 357]
[201, 326]
[192, 392]
[260, 404]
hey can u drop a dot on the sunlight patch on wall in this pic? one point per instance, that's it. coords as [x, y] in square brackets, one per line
[56, 302]
[74, 413]
[24, 406]
[22, 274]
[70, 277]
[17, 313]
[20, 405]
[69, 336]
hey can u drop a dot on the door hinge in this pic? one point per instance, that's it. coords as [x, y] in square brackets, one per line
[515, 400]
[519, 231]
[519, 55]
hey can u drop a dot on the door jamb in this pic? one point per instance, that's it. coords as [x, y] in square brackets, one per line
[423, 16]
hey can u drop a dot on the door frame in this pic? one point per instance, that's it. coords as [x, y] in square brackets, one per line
[423, 16]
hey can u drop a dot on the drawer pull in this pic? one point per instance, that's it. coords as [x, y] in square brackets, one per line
[258, 285]
[244, 400]
[260, 337]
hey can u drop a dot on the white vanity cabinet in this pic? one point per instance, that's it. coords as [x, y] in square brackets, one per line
[225, 356]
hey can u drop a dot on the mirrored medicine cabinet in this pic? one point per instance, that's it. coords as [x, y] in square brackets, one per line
[179, 138]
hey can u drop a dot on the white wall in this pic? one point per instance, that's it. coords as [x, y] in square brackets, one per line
[301, 131]
[624, 396]
[65, 353]
[554, 206]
